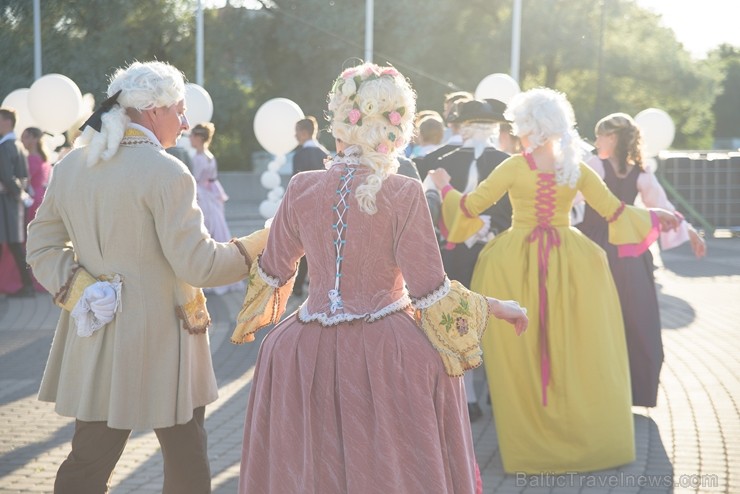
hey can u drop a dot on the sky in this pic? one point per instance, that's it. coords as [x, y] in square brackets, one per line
[701, 25]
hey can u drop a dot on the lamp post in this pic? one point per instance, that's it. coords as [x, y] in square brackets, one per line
[369, 9]
[198, 44]
[36, 39]
[516, 34]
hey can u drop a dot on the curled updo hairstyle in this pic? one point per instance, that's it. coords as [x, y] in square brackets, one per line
[628, 149]
[543, 115]
[143, 86]
[373, 108]
[204, 130]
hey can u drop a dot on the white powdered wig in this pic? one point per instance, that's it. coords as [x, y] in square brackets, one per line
[543, 115]
[479, 131]
[373, 107]
[143, 86]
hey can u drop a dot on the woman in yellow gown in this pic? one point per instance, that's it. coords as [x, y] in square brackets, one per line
[561, 399]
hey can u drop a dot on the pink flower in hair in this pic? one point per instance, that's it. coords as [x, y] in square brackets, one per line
[391, 72]
[349, 73]
[399, 142]
[382, 148]
[354, 116]
[369, 70]
[394, 117]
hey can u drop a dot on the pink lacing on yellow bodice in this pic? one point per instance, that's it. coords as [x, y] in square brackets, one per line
[547, 238]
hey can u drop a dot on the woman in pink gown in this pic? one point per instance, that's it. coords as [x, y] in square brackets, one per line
[210, 193]
[359, 391]
[39, 169]
[39, 173]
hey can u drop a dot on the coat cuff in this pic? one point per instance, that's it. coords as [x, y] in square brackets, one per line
[68, 296]
[194, 314]
[252, 245]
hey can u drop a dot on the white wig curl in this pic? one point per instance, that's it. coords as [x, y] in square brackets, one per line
[373, 107]
[479, 131]
[143, 86]
[543, 115]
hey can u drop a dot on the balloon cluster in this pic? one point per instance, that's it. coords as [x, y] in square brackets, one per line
[274, 128]
[53, 104]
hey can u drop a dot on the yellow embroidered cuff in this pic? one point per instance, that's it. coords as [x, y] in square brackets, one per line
[264, 304]
[71, 292]
[454, 325]
[252, 245]
[459, 227]
[194, 314]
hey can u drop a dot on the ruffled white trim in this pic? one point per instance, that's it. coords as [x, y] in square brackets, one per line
[325, 320]
[270, 280]
[97, 306]
[434, 297]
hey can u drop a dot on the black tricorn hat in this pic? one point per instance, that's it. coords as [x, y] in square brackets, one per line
[487, 111]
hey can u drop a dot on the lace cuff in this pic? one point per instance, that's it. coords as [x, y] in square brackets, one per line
[264, 303]
[454, 323]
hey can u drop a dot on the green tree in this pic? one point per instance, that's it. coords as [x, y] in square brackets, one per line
[725, 60]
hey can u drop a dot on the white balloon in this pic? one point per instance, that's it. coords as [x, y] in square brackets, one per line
[268, 208]
[87, 106]
[55, 101]
[198, 104]
[275, 194]
[18, 100]
[274, 165]
[657, 129]
[270, 179]
[274, 125]
[502, 87]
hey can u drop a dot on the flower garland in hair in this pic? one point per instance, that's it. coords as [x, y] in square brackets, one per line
[348, 85]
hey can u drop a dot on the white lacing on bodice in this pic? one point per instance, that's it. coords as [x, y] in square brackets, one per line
[340, 209]
[428, 300]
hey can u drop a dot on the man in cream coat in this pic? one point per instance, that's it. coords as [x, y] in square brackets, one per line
[119, 241]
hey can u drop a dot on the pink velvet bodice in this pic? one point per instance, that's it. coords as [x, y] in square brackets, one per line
[384, 252]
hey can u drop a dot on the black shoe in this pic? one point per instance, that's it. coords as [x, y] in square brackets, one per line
[26, 291]
[474, 412]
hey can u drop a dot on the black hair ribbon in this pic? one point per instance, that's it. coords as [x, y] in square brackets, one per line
[96, 119]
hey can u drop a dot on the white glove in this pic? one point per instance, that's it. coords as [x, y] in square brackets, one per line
[97, 306]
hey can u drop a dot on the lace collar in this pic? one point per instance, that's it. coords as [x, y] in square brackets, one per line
[350, 156]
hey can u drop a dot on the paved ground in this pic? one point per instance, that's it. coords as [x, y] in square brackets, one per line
[689, 443]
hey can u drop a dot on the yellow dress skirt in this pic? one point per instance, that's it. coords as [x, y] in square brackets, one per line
[561, 391]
